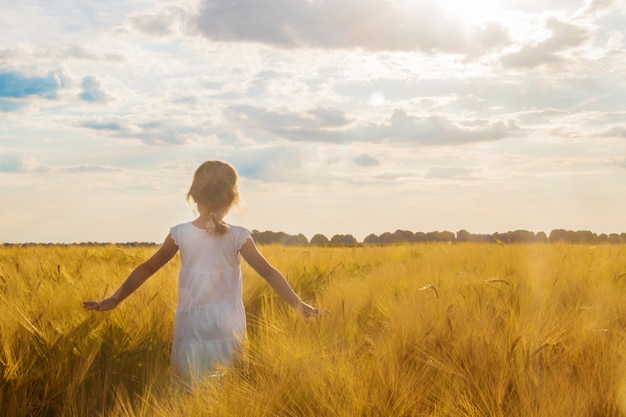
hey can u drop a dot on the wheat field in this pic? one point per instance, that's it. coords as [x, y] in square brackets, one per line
[411, 330]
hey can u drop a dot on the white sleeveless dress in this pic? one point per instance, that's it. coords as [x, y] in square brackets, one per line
[210, 321]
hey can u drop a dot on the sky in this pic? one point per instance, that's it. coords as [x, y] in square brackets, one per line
[341, 116]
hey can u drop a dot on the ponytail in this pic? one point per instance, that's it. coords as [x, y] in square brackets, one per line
[215, 225]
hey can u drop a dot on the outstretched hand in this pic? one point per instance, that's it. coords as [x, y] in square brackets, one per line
[104, 305]
[309, 311]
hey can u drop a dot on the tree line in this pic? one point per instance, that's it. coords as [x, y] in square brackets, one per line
[407, 236]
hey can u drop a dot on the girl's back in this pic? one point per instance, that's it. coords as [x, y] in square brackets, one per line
[210, 265]
[210, 318]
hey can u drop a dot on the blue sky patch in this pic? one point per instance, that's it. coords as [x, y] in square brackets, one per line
[16, 85]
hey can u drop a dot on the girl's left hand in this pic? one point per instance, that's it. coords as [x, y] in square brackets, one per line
[309, 311]
[104, 305]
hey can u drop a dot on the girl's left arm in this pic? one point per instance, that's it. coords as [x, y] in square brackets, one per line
[275, 279]
[139, 275]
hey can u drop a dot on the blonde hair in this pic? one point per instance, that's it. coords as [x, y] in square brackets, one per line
[214, 186]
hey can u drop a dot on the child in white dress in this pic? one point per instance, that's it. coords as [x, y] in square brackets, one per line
[210, 319]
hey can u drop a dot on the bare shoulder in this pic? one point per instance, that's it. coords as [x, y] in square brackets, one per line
[254, 257]
[249, 249]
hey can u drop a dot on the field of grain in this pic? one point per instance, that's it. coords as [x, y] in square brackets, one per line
[411, 330]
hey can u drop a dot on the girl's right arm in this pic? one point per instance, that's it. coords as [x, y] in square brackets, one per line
[137, 277]
[275, 279]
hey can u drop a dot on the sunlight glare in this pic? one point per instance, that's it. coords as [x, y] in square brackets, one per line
[474, 12]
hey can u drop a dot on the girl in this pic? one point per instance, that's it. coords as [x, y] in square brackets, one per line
[210, 320]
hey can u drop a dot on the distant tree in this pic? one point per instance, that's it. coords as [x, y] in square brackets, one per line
[444, 236]
[585, 236]
[283, 238]
[319, 240]
[447, 236]
[614, 238]
[483, 238]
[388, 237]
[524, 236]
[463, 236]
[404, 236]
[517, 236]
[343, 240]
[559, 235]
[582, 236]
[372, 238]
[262, 237]
[295, 240]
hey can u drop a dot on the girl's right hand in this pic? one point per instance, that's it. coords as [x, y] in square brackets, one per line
[104, 305]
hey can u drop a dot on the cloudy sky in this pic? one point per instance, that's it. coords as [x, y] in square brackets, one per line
[341, 116]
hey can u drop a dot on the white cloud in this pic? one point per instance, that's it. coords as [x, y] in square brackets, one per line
[17, 162]
[440, 172]
[596, 7]
[541, 6]
[541, 117]
[147, 131]
[86, 169]
[161, 23]
[329, 125]
[564, 36]
[92, 90]
[314, 125]
[617, 131]
[13, 162]
[348, 24]
[439, 130]
[366, 160]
